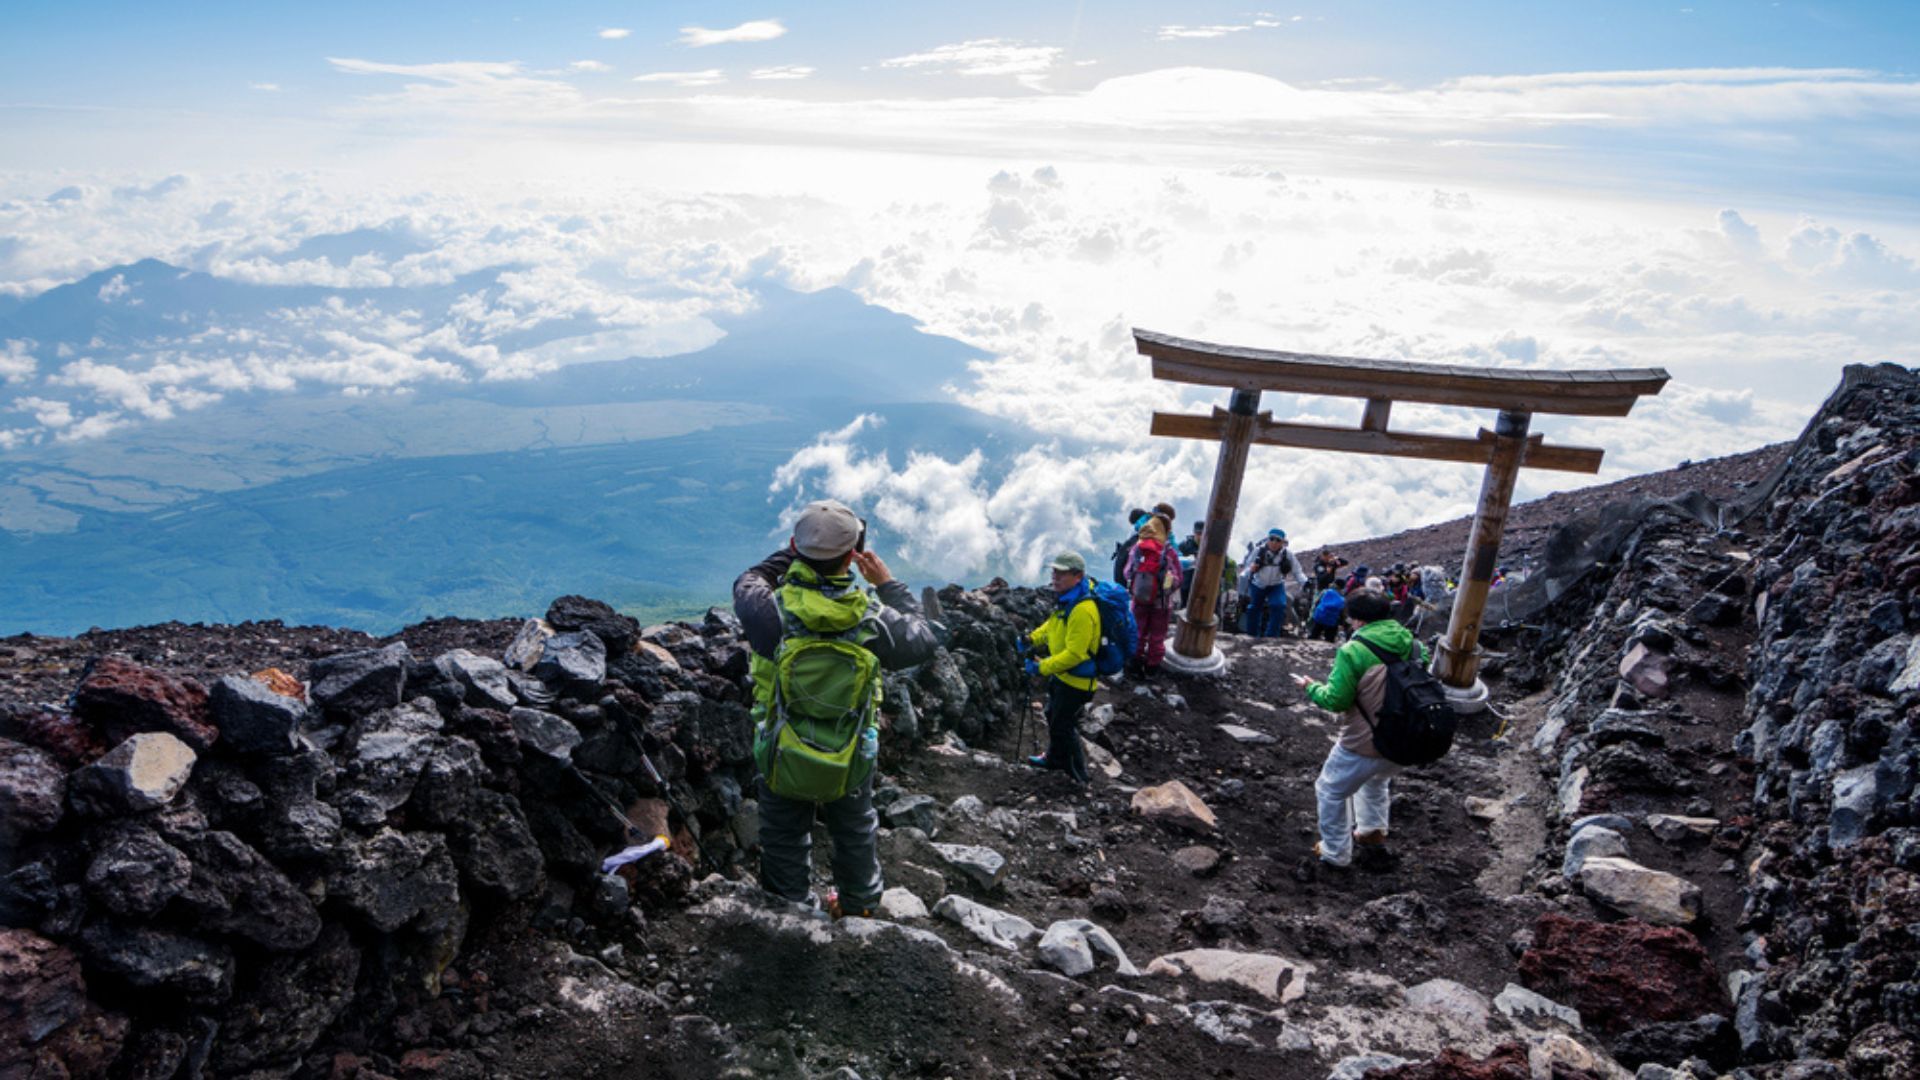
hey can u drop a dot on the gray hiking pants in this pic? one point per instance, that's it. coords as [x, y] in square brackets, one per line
[786, 843]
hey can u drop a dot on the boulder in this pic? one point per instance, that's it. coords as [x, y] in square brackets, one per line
[1855, 795]
[494, 848]
[1620, 975]
[1675, 829]
[1197, 860]
[1588, 843]
[1449, 998]
[524, 650]
[995, 927]
[482, 678]
[141, 774]
[1521, 1005]
[134, 873]
[1645, 670]
[917, 811]
[617, 632]
[983, 866]
[900, 905]
[1069, 947]
[160, 960]
[121, 698]
[286, 1004]
[1175, 803]
[1275, 978]
[386, 750]
[252, 718]
[234, 890]
[545, 734]
[48, 1026]
[392, 878]
[1652, 896]
[361, 681]
[572, 659]
[1710, 1038]
[33, 794]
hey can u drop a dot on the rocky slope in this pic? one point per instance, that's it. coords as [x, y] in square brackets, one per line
[1682, 845]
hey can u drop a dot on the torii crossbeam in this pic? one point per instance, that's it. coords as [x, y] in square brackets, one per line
[1504, 451]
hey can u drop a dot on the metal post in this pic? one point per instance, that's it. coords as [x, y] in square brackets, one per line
[1459, 655]
[1198, 623]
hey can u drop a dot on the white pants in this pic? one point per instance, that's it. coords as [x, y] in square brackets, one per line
[1347, 775]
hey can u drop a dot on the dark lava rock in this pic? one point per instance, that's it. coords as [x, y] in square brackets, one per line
[918, 811]
[47, 1025]
[360, 681]
[1621, 975]
[1709, 1038]
[1712, 610]
[134, 873]
[1405, 915]
[253, 719]
[393, 877]
[149, 959]
[235, 890]
[574, 659]
[482, 680]
[545, 734]
[387, 749]
[495, 849]
[1110, 904]
[617, 632]
[71, 742]
[121, 698]
[285, 1005]
[443, 794]
[33, 794]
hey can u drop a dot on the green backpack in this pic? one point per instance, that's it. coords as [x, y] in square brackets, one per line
[819, 697]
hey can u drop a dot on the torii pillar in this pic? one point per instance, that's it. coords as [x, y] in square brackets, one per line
[1504, 452]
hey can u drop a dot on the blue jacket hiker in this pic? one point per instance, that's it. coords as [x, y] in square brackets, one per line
[819, 643]
[1065, 644]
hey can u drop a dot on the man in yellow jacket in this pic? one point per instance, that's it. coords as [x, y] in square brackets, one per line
[1065, 645]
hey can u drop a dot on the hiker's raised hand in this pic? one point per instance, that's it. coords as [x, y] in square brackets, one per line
[872, 568]
[1302, 681]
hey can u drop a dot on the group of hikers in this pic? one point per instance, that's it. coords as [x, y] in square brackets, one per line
[820, 643]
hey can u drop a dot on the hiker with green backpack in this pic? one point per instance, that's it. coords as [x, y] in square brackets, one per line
[819, 646]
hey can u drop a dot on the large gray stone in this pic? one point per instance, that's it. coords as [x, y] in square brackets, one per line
[1069, 947]
[545, 734]
[1448, 998]
[286, 1006]
[160, 960]
[252, 718]
[392, 878]
[572, 659]
[983, 866]
[918, 811]
[1677, 829]
[995, 927]
[1358, 1066]
[234, 890]
[1275, 978]
[495, 849]
[361, 681]
[1855, 792]
[1522, 1005]
[899, 904]
[483, 678]
[1176, 804]
[386, 751]
[1648, 895]
[1587, 843]
[1907, 678]
[144, 773]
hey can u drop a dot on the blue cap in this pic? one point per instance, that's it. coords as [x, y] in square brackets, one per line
[1276, 534]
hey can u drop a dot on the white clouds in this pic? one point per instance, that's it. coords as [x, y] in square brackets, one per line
[592, 66]
[115, 288]
[17, 364]
[781, 72]
[265, 87]
[697, 37]
[708, 77]
[984, 57]
[614, 33]
[1217, 30]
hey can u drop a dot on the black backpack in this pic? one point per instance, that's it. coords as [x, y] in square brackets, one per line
[1415, 725]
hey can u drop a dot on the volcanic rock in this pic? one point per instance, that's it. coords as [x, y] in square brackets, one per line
[121, 698]
[900, 905]
[1588, 843]
[284, 1007]
[545, 734]
[1275, 978]
[495, 849]
[1197, 860]
[252, 718]
[1675, 829]
[1523, 1005]
[995, 927]
[386, 750]
[362, 681]
[1650, 895]
[393, 877]
[617, 632]
[482, 679]
[1710, 1038]
[983, 866]
[135, 872]
[1645, 670]
[1449, 998]
[1069, 946]
[918, 811]
[1620, 975]
[235, 890]
[48, 1027]
[1176, 804]
[150, 959]
[141, 774]
[33, 794]
[571, 659]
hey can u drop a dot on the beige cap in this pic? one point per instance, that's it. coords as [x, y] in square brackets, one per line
[826, 529]
[1069, 561]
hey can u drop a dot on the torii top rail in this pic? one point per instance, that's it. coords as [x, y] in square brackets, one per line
[1504, 451]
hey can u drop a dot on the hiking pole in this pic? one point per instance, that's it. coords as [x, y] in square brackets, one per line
[666, 790]
[1022, 686]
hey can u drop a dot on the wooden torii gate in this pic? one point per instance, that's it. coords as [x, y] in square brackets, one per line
[1504, 451]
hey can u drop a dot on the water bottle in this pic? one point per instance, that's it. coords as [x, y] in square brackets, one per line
[869, 743]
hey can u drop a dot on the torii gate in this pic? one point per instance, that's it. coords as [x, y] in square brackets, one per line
[1504, 451]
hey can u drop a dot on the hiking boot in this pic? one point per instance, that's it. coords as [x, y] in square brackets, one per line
[1324, 861]
[837, 912]
[1371, 838]
[1038, 761]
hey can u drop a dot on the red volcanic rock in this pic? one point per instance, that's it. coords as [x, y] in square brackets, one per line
[70, 742]
[1621, 975]
[1508, 1061]
[281, 683]
[47, 1025]
[121, 698]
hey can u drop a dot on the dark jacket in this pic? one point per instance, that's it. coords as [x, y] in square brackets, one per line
[1122, 553]
[903, 639]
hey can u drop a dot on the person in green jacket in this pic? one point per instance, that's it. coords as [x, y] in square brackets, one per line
[1064, 647]
[1354, 771]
